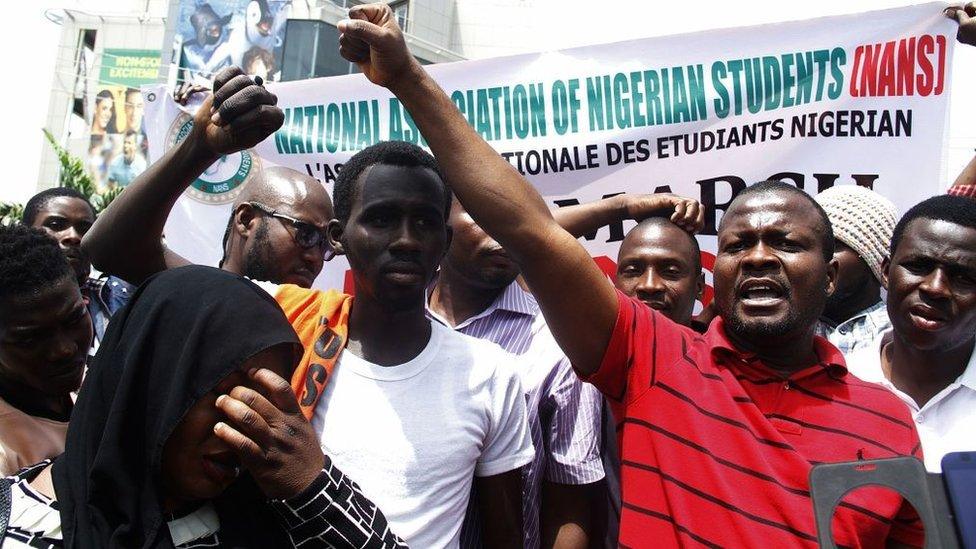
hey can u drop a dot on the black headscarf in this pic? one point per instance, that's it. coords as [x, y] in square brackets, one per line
[182, 332]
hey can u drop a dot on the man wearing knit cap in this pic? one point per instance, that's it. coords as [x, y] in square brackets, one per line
[862, 222]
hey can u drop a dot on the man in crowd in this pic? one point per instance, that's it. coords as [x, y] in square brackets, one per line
[45, 333]
[862, 222]
[659, 263]
[66, 215]
[476, 293]
[927, 357]
[414, 408]
[129, 164]
[276, 230]
[718, 431]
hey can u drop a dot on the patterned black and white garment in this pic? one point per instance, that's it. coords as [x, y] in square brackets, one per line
[330, 513]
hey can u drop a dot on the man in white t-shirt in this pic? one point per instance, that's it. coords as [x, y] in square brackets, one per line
[416, 411]
[927, 358]
[412, 410]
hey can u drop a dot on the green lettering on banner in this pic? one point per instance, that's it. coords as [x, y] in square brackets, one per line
[310, 114]
[520, 111]
[333, 126]
[637, 99]
[804, 78]
[560, 107]
[720, 104]
[622, 100]
[537, 110]
[772, 85]
[838, 57]
[296, 132]
[363, 127]
[494, 95]
[652, 89]
[130, 68]
[395, 127]
[621, 103]
[594, 103]
[696, 92]
[320, 113]
[483, 116]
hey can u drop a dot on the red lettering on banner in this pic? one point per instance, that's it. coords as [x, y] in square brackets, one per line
[909, 66]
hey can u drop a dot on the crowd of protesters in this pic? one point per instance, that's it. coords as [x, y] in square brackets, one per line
[486, 386]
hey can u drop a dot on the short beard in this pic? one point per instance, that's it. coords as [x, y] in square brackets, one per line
[257, 262]
[755, 330]
[839, 301]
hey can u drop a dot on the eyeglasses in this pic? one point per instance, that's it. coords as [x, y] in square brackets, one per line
[305, 235]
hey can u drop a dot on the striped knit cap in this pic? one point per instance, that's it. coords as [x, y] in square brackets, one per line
[862, 219]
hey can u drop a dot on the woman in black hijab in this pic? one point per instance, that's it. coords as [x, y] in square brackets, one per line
[188, 387]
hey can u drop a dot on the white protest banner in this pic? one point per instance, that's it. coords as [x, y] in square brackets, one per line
[858, 99]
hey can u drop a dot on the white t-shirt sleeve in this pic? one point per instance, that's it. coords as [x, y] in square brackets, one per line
[509, 443]
[269, 287]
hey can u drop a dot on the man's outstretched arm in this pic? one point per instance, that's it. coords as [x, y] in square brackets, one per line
[582, 219]
[579, 306]
[126, 239]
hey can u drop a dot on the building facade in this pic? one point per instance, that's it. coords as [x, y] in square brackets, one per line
[113, 47]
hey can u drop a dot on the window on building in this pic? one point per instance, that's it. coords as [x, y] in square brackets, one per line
[79, 120]
[401, 10]
[310, 51]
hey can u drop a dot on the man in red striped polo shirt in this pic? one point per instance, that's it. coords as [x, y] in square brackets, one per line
[718, 431]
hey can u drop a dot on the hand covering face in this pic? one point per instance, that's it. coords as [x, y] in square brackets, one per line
[183, 331]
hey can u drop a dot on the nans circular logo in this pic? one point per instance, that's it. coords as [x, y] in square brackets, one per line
[224, 180]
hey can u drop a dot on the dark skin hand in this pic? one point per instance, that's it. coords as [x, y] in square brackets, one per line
[498, 198]
[965, 15]
[239, 115]
[182, 94]
[267, 431]
[582, 219]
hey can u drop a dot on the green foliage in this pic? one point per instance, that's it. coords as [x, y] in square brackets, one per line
[74, 176]
[10, 213]
[103, 199]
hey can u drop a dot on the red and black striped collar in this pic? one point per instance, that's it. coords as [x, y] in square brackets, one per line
[830, 359]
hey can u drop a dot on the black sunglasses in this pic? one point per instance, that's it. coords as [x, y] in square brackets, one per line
[305, 235]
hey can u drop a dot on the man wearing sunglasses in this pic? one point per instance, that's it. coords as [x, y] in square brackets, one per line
[276, 231]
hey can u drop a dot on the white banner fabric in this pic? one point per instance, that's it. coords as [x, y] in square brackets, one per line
[859, 99]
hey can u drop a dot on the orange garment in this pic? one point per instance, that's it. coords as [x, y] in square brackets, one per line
[321, 320]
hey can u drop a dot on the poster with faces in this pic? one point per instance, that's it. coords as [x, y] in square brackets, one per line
[118, 147]
[215, 34]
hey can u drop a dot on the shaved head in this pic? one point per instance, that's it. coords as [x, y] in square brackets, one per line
[279, 186]
[659, 263]
[263, 247]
